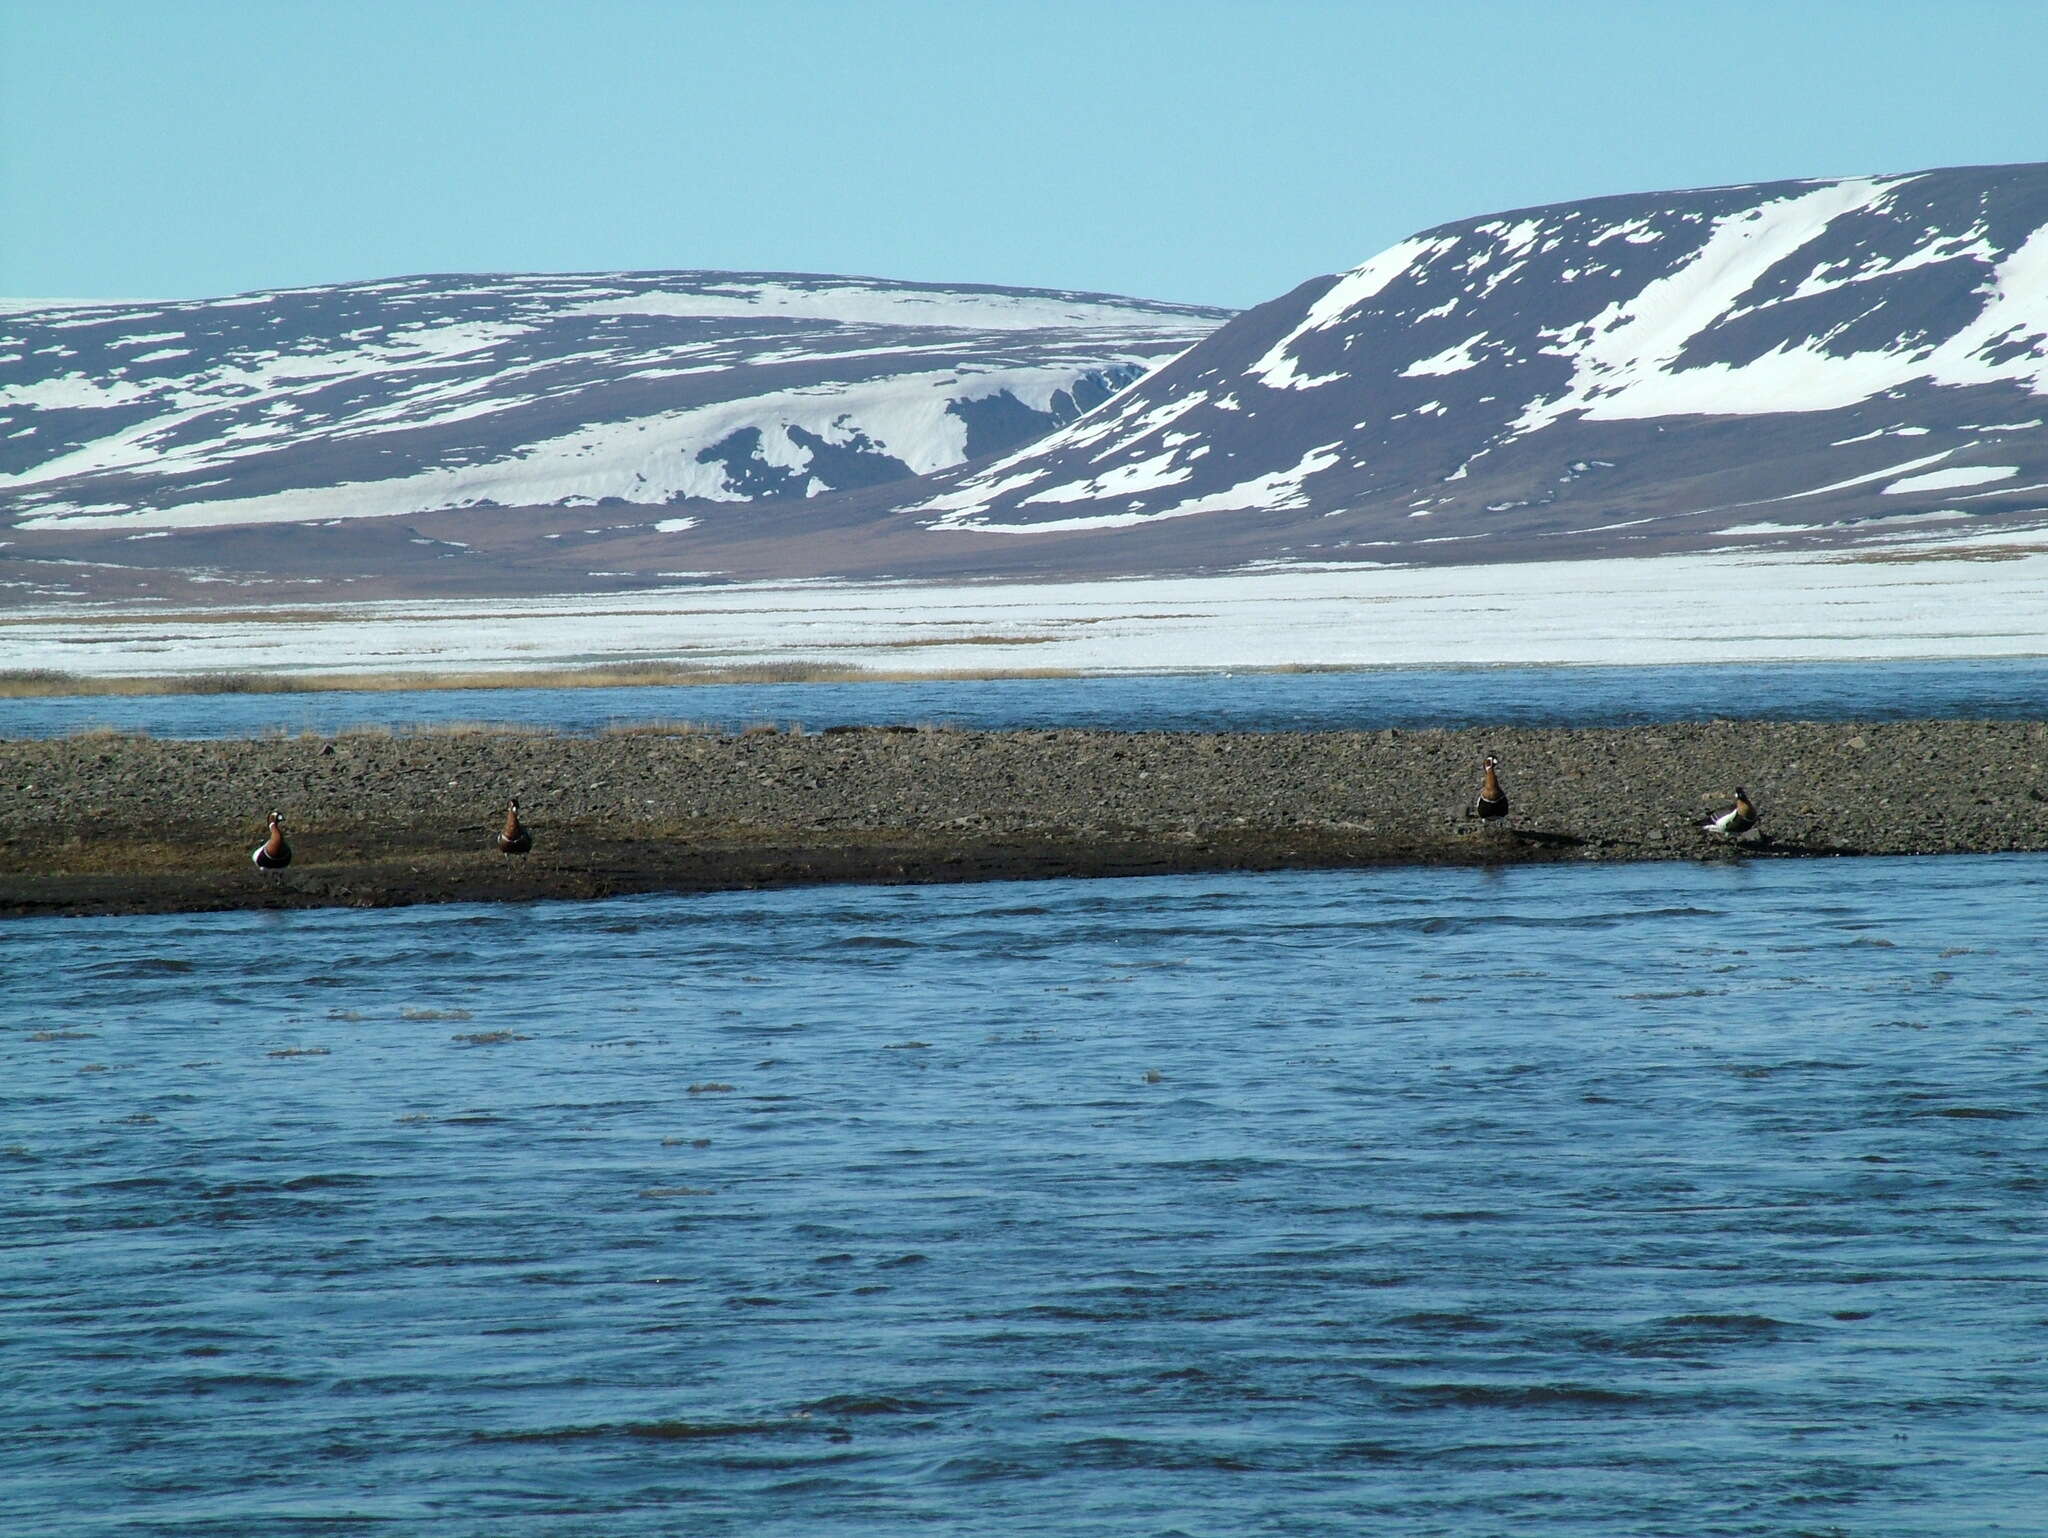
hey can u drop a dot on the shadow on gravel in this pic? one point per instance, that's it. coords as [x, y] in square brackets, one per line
[1769, 845]
[1548, 840]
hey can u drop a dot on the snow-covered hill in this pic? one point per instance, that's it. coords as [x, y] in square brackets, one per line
[1792, 362]
[1798, 364]
[399, 397]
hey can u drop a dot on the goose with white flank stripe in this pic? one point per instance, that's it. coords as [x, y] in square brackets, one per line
[1737, 820]
[273, 853]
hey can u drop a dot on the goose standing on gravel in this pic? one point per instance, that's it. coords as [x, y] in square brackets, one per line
[515, 837]
[1738, 819]
[273, 853]
[1493, 801]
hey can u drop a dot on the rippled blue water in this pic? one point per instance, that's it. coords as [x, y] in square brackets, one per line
[1992, 689]
[1628, 1200]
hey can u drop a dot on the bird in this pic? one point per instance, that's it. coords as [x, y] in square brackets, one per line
[273, 853]
[515, 837]
[1739, 818]
[1493, 801]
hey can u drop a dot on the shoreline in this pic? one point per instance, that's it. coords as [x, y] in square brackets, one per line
[587, 868]
[104, 824]
[57, 684]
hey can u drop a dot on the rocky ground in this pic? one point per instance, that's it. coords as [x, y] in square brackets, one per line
[117, 824]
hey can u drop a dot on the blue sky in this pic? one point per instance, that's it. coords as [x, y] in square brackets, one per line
[1217, 152]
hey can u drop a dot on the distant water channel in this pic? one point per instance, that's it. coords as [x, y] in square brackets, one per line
[1357, 699]
[1609, 1200]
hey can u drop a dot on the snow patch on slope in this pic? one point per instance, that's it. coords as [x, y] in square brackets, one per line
[413, 394]
[1273, 491]
[1947, 480]
[1452, 360]
[855, 303]
[1279, 369]
[1123, 481]
[1623, 357]
[651, 459]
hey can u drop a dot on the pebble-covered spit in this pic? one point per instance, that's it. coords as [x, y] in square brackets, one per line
[99, 823]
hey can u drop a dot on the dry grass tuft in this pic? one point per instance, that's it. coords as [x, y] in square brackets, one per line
[36, 683]
[968, 640]
[473, 729]
[44, 683]
[236, 683]
[1945, 553]
[658, 728]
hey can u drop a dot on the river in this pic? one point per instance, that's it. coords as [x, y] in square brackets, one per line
[1605, 1200]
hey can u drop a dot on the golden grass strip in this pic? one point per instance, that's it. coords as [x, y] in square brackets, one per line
[49, 683]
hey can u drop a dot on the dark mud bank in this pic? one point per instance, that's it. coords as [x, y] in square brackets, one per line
[98, 824]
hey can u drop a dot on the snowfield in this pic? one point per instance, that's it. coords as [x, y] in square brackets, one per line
[1911, 599]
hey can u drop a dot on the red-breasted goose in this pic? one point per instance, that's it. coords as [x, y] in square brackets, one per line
[1739, 818]
[1493, 801]
[273, 853]
[515, 837]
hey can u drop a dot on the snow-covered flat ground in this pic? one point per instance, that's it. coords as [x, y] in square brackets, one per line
[1986, 598]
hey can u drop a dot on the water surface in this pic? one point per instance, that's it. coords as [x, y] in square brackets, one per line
[1623, 1200]
[1357, 699]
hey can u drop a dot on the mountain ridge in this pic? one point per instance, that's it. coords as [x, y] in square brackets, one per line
[417, 394]
[1364, 396]
[1824, 362]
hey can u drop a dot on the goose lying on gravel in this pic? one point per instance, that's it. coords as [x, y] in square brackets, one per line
[1739, 818]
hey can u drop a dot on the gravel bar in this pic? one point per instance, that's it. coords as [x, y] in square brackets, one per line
[102, 823]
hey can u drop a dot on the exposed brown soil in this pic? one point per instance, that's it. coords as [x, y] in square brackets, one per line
[102, 824]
